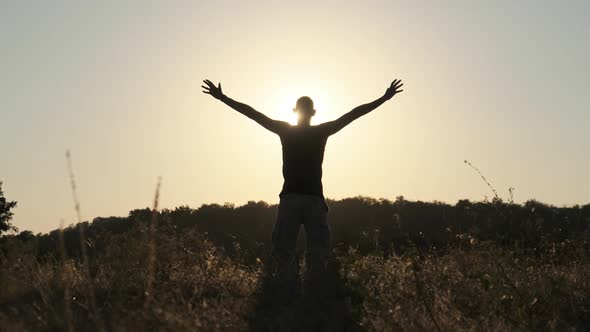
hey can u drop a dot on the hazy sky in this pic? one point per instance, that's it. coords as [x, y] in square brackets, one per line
[502, 84]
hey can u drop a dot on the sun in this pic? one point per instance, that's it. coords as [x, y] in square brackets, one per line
[284, 100]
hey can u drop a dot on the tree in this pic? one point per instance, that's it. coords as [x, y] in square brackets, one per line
[5, 214]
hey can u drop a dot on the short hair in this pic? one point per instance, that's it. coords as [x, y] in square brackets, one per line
[304, 103]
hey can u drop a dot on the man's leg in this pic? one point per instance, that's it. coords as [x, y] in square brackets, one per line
[284, 237]
[317, 236]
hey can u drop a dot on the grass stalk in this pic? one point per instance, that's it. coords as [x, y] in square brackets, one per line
[83, 246]
[151, 267]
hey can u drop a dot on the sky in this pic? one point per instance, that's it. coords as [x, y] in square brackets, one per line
[502, 84]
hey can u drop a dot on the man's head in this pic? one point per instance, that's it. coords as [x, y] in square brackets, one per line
[304, 108]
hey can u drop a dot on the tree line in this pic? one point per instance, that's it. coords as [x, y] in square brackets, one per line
[367, 224]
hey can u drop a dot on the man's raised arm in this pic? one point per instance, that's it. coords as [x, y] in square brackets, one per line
[333, 127]
[273, 125]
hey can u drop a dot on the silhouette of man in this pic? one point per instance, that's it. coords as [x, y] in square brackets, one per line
[302, 199]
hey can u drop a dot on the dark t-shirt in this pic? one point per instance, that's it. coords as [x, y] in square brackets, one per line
[303, 154]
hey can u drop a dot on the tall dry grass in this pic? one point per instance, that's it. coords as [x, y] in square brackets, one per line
[151, 255]
[197, 287]
[96, 316]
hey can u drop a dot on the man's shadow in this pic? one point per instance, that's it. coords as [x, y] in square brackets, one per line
[290, 304]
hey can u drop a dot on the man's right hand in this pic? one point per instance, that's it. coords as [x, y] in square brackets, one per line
[211, 89]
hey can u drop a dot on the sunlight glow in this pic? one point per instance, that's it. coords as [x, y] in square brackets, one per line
[283, 102]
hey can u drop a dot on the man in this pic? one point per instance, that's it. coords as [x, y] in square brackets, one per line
[302, 199]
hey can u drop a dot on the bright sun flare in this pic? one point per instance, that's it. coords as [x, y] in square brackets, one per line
[284, 101]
